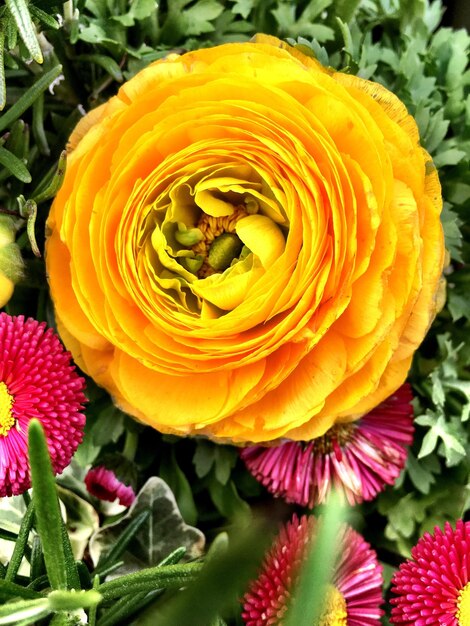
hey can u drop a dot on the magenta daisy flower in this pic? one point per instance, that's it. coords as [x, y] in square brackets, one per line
[111, 479]
[433, 587]
[37, 380]
[357, 458]
[354, 595]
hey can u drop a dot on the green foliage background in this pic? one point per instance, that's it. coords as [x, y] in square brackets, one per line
[60, 59]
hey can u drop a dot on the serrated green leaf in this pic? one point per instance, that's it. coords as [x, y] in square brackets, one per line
[452, 156]
[243, 7]
[428, 444]
[422, 473]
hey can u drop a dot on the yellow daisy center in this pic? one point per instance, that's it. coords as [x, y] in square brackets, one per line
[463, 606]
[7, 419]
[334, 610]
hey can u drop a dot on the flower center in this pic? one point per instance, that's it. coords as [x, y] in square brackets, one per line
[334, 610]
[335, 438]
[463, 606]
[219, 245]
[7, 419]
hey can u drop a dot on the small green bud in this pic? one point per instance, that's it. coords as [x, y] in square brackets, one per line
[188, 237]
[223, 250]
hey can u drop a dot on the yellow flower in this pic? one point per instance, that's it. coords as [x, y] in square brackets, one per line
[246, 245]
[11, 263]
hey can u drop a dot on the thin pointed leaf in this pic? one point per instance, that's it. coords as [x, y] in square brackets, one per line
[126, 607]
[22, 17]
[14, 165]
[107, 63]
[29, 97]
[73, 579]
[149, 579]
[92, 612]
[20, 545]
[11, 33]
[3, 90]
[37, 559]
[44, 17]
[122, 541]
[46, 505]
[12, 590]
[14, 612]
[38, 125]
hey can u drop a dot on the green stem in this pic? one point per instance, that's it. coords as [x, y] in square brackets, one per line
[169, 576]
[130, 445]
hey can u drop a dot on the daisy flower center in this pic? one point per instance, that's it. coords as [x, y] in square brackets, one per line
[336, 437]
[463, 606]
[334, 611]
[7, 419]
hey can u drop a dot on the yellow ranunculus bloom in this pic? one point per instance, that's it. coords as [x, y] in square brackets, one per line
[11, 262]
[246, 245]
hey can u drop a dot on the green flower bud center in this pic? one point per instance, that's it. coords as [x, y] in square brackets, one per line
[224, 249]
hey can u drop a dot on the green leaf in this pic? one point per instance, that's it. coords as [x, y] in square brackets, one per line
[10, 590]
[43, 17]
[161, 532]
[27, 99]
[20, 12]
[422, 473]
[3, 91]
[243, 7]
[106, 62]
[149, 579]
[30, 610]
[204, 457]
[227, 500]
[46, 505]
[121, 543]
[175, 478]
[125, 607]
[14, 165]
[20, 545]
[452, 156]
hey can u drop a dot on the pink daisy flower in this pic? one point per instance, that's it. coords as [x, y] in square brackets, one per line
[353, 597]
[433, 587]
[37, 380]
[106, 482]
[357, 458]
